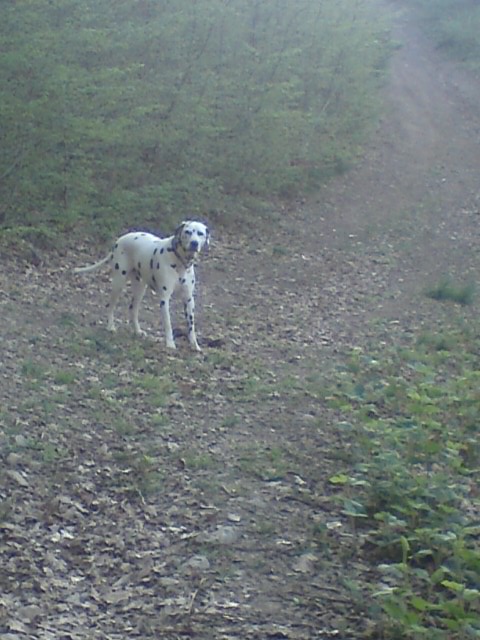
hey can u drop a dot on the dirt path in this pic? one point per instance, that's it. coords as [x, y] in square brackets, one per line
[149, 495]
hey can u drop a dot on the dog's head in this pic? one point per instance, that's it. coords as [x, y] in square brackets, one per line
[192, 237]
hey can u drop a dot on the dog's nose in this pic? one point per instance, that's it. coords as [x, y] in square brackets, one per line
[194, 245]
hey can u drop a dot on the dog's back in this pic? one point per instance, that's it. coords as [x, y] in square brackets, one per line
[136, 251]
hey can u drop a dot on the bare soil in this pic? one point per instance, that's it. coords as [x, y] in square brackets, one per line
[147, 494]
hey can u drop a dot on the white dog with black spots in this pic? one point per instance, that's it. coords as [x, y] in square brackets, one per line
[164, 264]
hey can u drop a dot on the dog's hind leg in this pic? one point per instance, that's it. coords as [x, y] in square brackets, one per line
[118, 283]
[138, 291]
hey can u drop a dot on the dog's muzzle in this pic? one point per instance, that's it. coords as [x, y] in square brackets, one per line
[193, 247]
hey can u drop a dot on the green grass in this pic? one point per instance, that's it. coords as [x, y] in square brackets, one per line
[264, 462]
[198, 461]
[140, 474]
[157, 388]
[33, 370]
[65, 377]
[230, 421]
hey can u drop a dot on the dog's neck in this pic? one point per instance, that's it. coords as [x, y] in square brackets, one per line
[180, 254]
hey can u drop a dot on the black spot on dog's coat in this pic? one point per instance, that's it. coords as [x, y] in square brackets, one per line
[117, 266]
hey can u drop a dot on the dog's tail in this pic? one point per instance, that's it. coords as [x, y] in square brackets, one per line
[92, 267]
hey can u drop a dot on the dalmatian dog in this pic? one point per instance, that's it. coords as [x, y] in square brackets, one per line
[163, 264]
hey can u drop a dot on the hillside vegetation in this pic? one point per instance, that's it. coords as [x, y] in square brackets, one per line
[114, 110]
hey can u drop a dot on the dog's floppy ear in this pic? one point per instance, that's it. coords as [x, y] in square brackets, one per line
[179, 229]
[207, 237]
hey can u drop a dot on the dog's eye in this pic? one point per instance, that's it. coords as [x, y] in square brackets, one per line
[188, 232]
[200, 233]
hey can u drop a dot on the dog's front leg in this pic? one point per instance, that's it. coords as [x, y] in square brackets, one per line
[187, 290]
[167, 324]
[189, 310]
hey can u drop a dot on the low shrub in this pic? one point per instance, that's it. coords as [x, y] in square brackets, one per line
[411, 421]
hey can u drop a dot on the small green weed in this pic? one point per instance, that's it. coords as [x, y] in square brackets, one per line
[437, 342]
[265, 527]
[65, 377]
[51, 453]
[279, 250]
[92, 343]
[219, 358]
[267, 463]
[67, 320]
[140, 474]
[124, 427]
[230, 421]
[446, 290]
[33, 370]
[159, 420]
[199, 461]
[158, 388]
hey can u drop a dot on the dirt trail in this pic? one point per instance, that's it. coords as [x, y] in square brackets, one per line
[418, 186]
[153, 495]
[375, 238]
